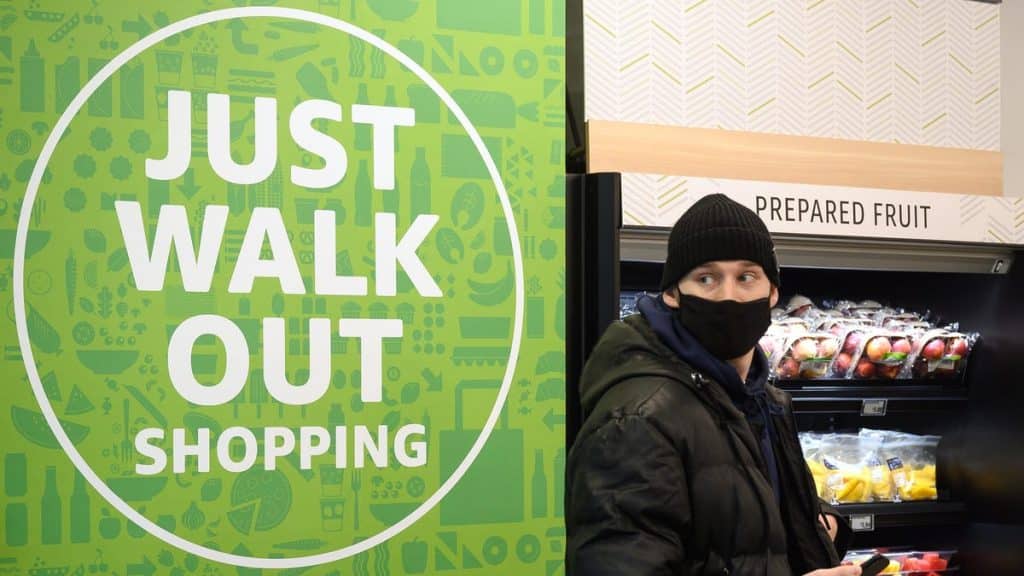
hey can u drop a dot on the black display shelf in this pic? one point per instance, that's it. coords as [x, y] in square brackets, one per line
[883, 515]
[861, 396]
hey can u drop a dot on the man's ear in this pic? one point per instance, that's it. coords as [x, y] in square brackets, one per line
[774, 298]
[671, 298]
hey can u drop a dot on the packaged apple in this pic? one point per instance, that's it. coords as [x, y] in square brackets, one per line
[831, 321]
[893, 319]
[799, 306]
[866, 309]
[806, 356]
[852, 336]
[778, 314]
[793, 326]
[772, 341]
[911, 461]
[941, 353]
[881, 354]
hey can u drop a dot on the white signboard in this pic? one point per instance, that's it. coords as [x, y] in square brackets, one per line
[651, 200]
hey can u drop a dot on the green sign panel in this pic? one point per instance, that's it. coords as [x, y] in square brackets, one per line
[284, 287]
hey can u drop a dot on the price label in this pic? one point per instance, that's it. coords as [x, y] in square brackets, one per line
[874, 407]
[862, 522]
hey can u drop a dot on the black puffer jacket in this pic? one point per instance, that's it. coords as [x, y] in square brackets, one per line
[666, 476]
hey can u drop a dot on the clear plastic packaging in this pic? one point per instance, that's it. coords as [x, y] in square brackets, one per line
[844, 457]
[911, 461]
[927, 563]
[866, 310]
[810, 443]
[908, 563]
[851, 340]
[882, 489]
[894, 319]
[805, 356]
[941, 353]
[881, 354]
[793, 326]
[799, 306]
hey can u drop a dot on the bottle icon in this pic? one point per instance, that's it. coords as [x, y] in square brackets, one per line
[364, 138]
[15, 474]
[364, 197]
[540, 486]
[51, 513]
[33, 81]
[16, 485]
[80, 513]
[419, 184]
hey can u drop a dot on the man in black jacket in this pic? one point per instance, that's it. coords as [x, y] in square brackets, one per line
[688, 461]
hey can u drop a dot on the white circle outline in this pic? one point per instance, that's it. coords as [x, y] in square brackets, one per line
[19, 279]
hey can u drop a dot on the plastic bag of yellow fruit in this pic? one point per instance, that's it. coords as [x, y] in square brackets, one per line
[820, 475]
[810, 443]
[848, 478]
[918, 484]
[880, 476]
[911, 460]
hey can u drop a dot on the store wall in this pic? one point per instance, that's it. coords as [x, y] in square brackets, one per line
[885, 70]
[1012, 91]
[925, 73]
[375, 192]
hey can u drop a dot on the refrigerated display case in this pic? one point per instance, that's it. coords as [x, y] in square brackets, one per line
[979, 509]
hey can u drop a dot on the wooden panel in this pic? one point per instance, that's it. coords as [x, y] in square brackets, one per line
[653, 149]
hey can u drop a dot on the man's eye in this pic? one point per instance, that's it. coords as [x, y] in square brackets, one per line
[706, 279]
[748, 277]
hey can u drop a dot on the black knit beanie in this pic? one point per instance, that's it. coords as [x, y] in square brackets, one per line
[717, 228]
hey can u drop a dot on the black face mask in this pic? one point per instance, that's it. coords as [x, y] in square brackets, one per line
[726, 328]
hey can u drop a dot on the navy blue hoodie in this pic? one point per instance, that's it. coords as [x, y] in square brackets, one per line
[749, 397]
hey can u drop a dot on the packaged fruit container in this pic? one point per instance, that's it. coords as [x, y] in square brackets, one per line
[772, 341]
[941, 354]
[810, 444]
[792, 326]
[871, 466]
[805, 356]
[893, 320]
[880, 354]
[927, 563]
[879, 474]
[911, 461]
[908, 563]
[799, 306]
[851, 339]
[847, 479]
[867, 310]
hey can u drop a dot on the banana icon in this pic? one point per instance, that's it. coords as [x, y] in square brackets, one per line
[493, 293]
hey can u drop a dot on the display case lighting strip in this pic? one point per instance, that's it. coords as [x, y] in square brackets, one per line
[649, 245]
